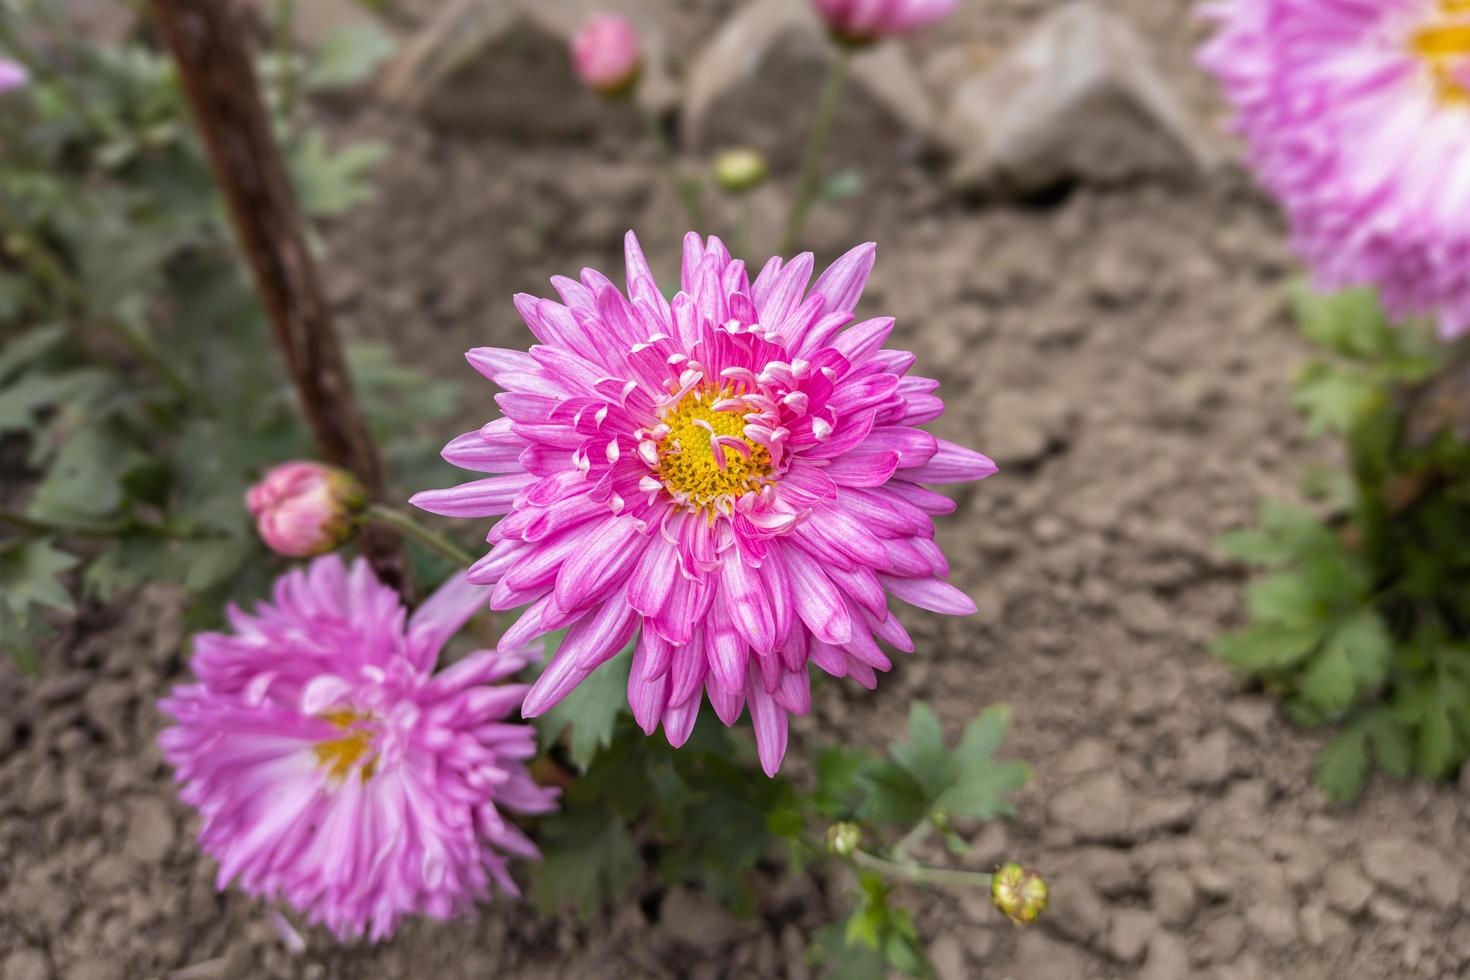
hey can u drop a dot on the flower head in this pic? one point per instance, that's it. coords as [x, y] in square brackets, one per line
[1357, 118]
[303, 509]
[335, 770]
[606, 54]
[734, 477]
[861, 22]
[1019, 892]
[740, 171]
[13, 75]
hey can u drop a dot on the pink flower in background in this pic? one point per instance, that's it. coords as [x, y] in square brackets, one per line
[304, 508]
[865, 21]
[606, 55]
[335, 770]
[1357, 118]
[13, 75]
[735, 478]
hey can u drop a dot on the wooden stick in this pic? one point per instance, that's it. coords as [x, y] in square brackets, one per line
[207, 39]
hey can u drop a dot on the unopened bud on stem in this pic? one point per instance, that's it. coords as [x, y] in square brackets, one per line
[305, 508]
[1018, 892]
[740, 171]
[843, 839]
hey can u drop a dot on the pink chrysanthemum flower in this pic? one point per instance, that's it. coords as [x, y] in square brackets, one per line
[13, 75]
[334, 770]
[731, 476]
[1357, 117]
[866, 21]
[607, 55]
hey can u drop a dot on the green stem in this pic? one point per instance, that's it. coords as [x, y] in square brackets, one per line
[920, 874]
[34, 525]
[816, 149]
[688, 190]
[285, 17]
[412, 529]
[912, 839]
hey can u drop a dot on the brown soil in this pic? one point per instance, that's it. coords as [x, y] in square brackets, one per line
[1122, 352]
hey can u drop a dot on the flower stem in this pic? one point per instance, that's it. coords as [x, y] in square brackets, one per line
[33, 525]
[410, 528]
[285, 41]
[816, 149]
[912, 839]
[920, 874]
[688, 190]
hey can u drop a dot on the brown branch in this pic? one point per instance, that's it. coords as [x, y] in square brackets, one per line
[207, 39]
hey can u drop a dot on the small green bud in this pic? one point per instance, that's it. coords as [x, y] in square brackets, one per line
[843, 839]
[739, 171]
[1018, 892]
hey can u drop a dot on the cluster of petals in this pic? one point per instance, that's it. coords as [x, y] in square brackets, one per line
[1356, 114]
[606, 53]
[732, 480]
[13, 75]
[305, 508]
[865, 21]
[334, 770]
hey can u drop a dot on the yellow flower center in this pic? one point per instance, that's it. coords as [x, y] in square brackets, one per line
[340, 755]
[1444, 46]
[687, 460]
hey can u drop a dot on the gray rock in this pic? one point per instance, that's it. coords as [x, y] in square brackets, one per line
[694, 919]
[107, 704]
[1077, 912]
[1224, 938]
[1207, 761]
[1321, 926]
[1174, 898]
[151, 830]
[25, 964]
[1095, 809]
[948, 957]
[1346, 890]
[1130, 934]
[1039, 957]
[1078, 98]
[1273, 918]
[1412, 869]
[1167, 959]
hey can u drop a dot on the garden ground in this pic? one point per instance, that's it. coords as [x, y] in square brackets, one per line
[1123, 353]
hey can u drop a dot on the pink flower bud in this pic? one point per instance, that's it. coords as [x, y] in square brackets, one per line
[606, 54]
[304, 509]
[13, 75]
[861, 22]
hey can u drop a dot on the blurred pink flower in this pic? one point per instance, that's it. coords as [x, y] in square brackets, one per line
[333, 769]
[606, 54]
[865, 21]
[1357, 118]
[732, 478]
[13, 75]
[304, 508]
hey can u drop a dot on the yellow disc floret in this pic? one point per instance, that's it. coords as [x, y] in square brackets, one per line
[340, 755]
[689, 462]
[1444, 45]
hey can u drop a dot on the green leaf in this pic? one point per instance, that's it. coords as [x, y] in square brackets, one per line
[29, 575]
[1332, 398]
[28, 347]
[330, 183]
[128, 563]
[840, 960]
[1286, 598]
[1268, 647]
[1350, 323]
[84, 481]
[924, 755]
[207, 562]
[1342, 765]
[1328, 682]
[591, 710]
[348, 56]
[1437, 748]
[587, 859]
[843, 185]
[982, 782]
[1367, 645]
[1286, 534]
[1391, 744]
